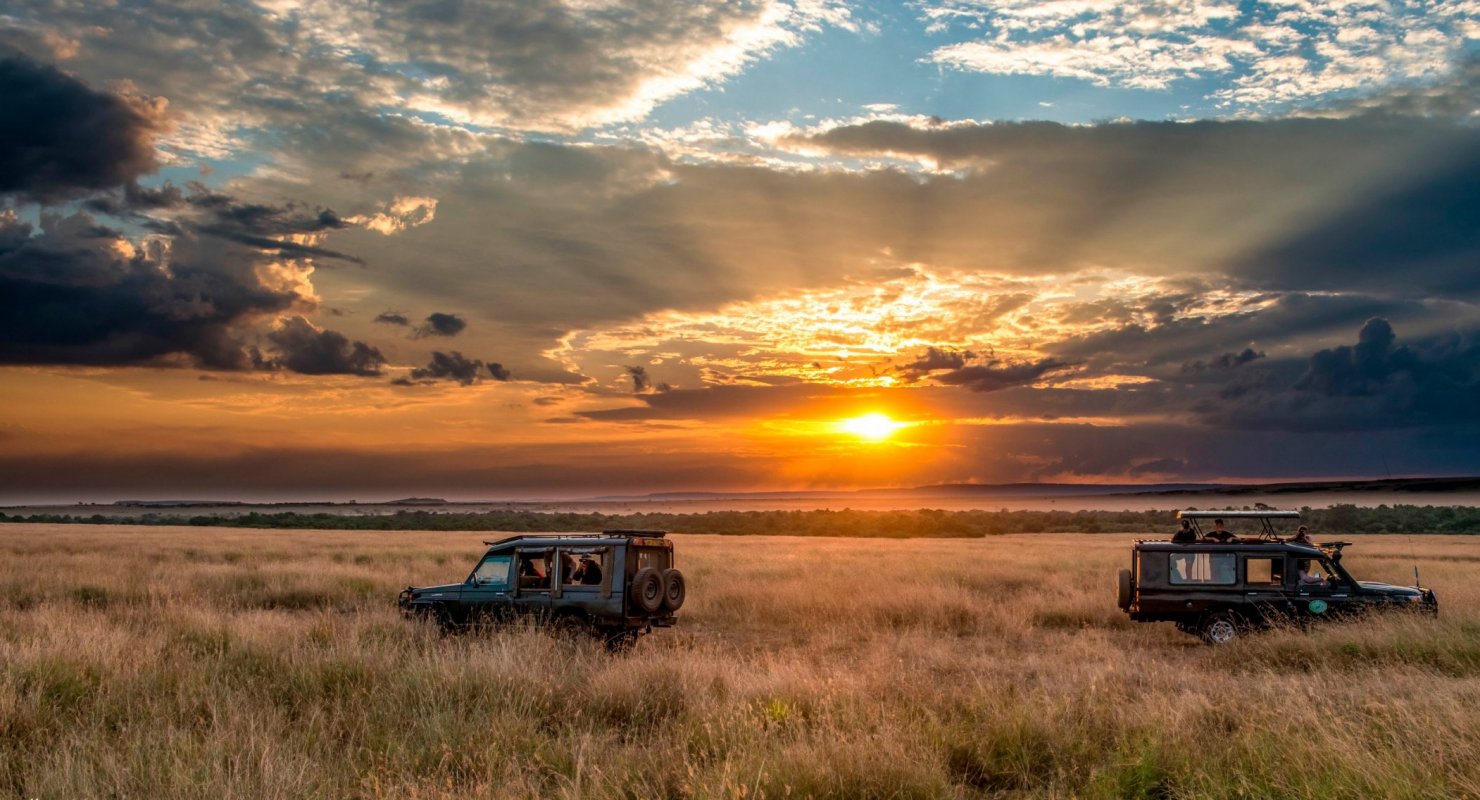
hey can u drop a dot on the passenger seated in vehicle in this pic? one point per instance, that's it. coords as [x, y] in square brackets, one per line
[1302, 536]
[588, 573]
[568, 568]
[1309, 575]
[1184, 534]
[1219, 534]
[530, 575]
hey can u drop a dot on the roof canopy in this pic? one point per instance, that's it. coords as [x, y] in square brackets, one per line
[1270, 514]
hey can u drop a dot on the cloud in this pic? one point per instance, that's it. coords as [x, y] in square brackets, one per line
[1374, 384]
[77, 292]
[60, 139]
[936, 358]
[1261, 55]
[506, 64]
[1427, 224]
[641, 382]
[440, 324]
[392, 318]
[1224, 361]
[454, 366]
[303, 347]
[994, 375]
[397, 215]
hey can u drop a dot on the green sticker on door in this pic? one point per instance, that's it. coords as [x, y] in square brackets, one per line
[1317, 606]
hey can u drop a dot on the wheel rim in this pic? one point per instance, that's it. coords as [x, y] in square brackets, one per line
[1221, 631]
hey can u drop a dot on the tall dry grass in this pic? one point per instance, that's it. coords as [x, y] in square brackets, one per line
[170, 663]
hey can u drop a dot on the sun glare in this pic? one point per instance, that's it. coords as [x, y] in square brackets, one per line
[873, 427]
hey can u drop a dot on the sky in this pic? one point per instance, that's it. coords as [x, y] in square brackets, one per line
[487, 249]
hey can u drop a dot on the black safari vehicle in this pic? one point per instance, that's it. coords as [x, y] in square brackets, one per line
[616, 585]
[1220, 589]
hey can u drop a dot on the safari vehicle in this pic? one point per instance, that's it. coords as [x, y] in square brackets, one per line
[614, 585]
[1219, 590]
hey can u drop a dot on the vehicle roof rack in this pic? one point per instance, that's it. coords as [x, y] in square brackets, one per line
[1268, 514]
[623, 533]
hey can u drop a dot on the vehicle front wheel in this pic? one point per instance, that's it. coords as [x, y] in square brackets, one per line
[1219, 628]
[571, 627]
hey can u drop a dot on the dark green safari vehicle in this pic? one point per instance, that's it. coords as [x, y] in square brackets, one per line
[1220, 589]
[614, 585]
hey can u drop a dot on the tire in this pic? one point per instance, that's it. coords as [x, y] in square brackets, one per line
[647, 590]
[571, 627]
[1219, 628]
[674, 590]
[1125, 589]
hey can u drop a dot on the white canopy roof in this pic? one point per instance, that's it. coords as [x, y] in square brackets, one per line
[1270, 514]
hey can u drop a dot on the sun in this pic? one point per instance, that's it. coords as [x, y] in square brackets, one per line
[874, 427]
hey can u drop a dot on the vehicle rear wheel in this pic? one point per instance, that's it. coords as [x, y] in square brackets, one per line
[618, 640]
[1125, 589]
[647, 590]
[1220, 628]
[673, 590]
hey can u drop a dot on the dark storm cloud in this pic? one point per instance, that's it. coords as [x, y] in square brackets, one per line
[79, 292]
[1422, 235]
[392, 318]
[69, 295]
[454, 366]
[936, 358]
[440, 324]
[1224, 361]
[1376, 383]
[449, 366]
[302, 347]
[60, 138]
[996, 375]
[206, 212]
[1262, 322]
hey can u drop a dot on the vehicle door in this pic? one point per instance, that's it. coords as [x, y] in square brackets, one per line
[1264, 586]
[583, 580]
[534, 569]
[486, 595]
[1316, 589]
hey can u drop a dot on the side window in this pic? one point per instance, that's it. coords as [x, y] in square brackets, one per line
[534, 569]
[1311, 572]
[1214, 569]
[583, 566]
[1264, 571]
[493, 572]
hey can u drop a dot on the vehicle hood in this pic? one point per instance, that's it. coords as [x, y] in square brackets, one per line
[430, 592]
[1389, 589]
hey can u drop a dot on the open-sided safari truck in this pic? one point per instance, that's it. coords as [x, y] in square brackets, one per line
[1218, 590]
[615, 585]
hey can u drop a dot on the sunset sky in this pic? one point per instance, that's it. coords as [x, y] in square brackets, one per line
[514, 248]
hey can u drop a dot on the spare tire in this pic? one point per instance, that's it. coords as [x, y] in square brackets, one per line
[1125, 589]
[647, 590]
[673, 590]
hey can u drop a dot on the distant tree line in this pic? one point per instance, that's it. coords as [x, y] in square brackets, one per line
[1340, 519]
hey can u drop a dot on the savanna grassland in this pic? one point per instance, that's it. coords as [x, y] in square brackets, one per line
[195, 662]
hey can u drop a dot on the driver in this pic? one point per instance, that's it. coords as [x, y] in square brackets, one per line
[1308, 575]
